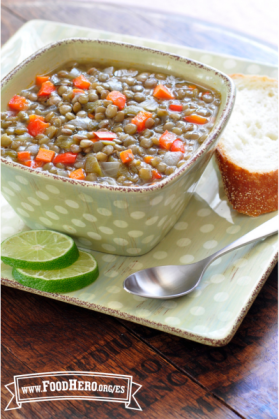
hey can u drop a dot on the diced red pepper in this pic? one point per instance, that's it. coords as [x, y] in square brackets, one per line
[166, 140]
[140, 119]
[176, 107]
[156, 174]
[178, 145]
[44, 155]
[36, 125]
[105, 135]
[117, 98]
[126, 156]
[162, 92]
[196, 119]
[46, 88]
[23, 155]
[65, 158]
[77, 174]
[41, 79]
[81, 82]
[18, 103]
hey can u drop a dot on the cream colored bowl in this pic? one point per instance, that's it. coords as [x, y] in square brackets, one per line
[111, 219]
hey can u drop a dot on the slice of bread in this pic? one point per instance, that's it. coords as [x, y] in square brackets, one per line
[247, 153]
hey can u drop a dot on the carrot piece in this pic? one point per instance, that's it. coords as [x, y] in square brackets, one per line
[46, 88]
[65, 158]
[166, 140]
[45, 155]
[140, 119]
[23, 156]
[117, 98]
[176, 107]
[105, 135]
[192, 86]
[91, 116]
[18, 103]
[77, 174]
[77, 92]
[156, 174]
[36, 125]
[178, 145]
[148, 159]
[162, 92]
[34, 164]
[41, 79]
[81, 82]
[196, 119]
[126, 156]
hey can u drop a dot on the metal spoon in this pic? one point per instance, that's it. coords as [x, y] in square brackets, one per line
[173, 281]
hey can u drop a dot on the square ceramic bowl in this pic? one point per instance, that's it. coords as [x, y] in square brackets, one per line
[113, 219]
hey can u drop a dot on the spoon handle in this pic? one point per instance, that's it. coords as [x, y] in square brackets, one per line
[264, 230]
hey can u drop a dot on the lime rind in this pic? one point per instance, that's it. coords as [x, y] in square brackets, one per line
[79, 275]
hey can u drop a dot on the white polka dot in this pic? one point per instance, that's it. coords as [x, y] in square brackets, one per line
[156, 201]
[53, 189]
[105, 230]
[8, 230]
[161, 222]
[14, 186]
[120, 204]
[148, 239]
[151, 221]
[210, 244]
[134, 251]
[160, 255]
[244, 280]
[186, 259]
[240, 263]
[172, 321]
[84, 296]
[137, 215]
[108, 247]
[143, 312]
[138, 298]
[183, 242]
[22, 180]
[69, 229]
[206, 58]
[120, 223]
[120, 241]
[175, 203]
[197, 311]
[8, 191]
[229, 64]
[52, 215]
[89, 217]
[135, 233]
[78, 223]
[194, 294]
[206, 228]
[225, 316]
[94, 235]
[42, 195]
[84, 242]
[221, 296]
[61, 209]
[136, 266]
[200, 329]
[116, 305]
[45, 221]
[233, 229]
[216, 262]
[22, 212]
[34, 201]
[169, 200]
[109, 258]
[216, 279]
[253, 69]
[104, 211]
[181, 226]
[203, 212]
[169, 304]
[8, 215]
[71, 203]
[113, 289]
[28, 207]
[85, 198]
[111, 274]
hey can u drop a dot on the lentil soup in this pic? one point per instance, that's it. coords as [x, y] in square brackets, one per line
[118, 126]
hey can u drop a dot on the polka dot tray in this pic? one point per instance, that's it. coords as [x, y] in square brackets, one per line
[213, 312]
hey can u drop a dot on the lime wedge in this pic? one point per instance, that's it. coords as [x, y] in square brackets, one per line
[39, 249]
[80, 274]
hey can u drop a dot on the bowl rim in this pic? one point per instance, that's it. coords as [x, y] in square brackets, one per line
[212, 137]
